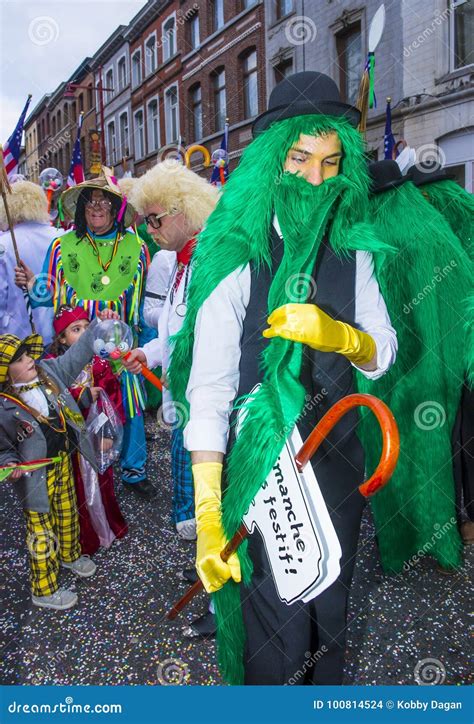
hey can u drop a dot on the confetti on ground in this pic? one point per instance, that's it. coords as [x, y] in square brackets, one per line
[117, 634]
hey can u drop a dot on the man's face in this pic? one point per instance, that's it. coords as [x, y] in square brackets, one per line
[173, 230]
[99, 217]
[23, 369]
[315, 158]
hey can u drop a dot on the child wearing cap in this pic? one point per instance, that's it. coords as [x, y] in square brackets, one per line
[100, 517]
[39, 419]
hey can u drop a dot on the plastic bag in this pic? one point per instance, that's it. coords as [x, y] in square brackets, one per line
[105, 430]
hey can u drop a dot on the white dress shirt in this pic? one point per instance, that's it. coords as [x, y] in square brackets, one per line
[214, 377]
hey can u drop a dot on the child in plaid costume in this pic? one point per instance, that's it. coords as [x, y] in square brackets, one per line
[39, 419]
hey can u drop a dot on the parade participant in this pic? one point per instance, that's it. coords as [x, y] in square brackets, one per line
[39, 419]
[100, 518]
[176, 203]
[457, 206]
[424, 285]
[101, 265]
[287, 239]
[33, 232]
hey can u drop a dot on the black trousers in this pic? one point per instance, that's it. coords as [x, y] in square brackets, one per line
[463, 455]
[305, 643]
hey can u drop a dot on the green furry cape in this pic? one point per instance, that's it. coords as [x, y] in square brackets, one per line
[457, 207]
[425, 286]
[238, 233]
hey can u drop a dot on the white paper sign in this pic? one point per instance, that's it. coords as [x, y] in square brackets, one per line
[289, 511]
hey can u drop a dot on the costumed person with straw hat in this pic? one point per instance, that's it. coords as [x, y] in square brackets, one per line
[425, 285]
[99, 265]
[28, 209]
[456, 205]
[175, 203]
[282, 295]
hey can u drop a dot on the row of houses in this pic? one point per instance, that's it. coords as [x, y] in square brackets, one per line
[180, 69]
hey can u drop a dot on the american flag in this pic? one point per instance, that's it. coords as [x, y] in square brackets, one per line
[389, 139]
[76, 170]
[11, 149]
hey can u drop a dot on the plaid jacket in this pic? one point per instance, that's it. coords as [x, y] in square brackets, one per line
[21, 438]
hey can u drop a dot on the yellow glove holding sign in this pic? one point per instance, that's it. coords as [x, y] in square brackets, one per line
[211, 539]
[308, 324]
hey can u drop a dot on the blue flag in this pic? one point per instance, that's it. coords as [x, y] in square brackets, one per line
[389, 139]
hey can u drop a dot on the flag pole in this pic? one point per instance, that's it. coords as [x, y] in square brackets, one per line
[4, 189]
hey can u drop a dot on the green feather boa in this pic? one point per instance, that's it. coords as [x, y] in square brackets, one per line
[457, 207]
[425, 286]
[238, 233]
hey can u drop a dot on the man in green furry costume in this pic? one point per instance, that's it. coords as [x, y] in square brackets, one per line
[424, 284]
[289, 228]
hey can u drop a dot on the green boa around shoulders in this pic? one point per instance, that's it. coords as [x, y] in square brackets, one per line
[457, 206]
[237, 233]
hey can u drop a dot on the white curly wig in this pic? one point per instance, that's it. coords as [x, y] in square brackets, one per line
[27, 202]
[126, 184]
[178, 190]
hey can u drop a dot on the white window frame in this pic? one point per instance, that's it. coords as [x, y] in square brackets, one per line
[164, 43]
[109, 94]
[151, 149]
[452, 29]
[121, 113]
[137, 51]
[135, 145]
[111, 153]
[120, 88]
[155, 54]
[168, 139]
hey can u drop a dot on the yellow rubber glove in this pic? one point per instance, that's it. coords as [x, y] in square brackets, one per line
[211, 539]
[308, 324]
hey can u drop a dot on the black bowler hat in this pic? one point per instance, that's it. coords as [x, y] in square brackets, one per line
[425, 173]
[385, 175]
[303, 94]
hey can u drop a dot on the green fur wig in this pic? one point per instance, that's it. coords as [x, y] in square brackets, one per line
[457, 207]
[237, 233]
[425, 286]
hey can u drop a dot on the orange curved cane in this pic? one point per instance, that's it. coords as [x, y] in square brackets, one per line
[379, 478]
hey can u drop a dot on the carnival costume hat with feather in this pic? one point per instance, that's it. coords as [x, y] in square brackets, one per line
[107, 183]
[237, 233]
[424, 285]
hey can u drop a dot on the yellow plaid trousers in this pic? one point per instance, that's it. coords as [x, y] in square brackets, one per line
[53, 536]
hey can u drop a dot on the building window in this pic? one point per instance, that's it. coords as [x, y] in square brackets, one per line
[122, 73]
[150, 54]
[109, 83]
[196, 109]
[111, 143]
[219, 100]
[248, 4]
[249, 66]
[124, 135]
[169, 38]
[462, 33]
[153, 127]
[283, 7]
[171, 114]
[350, 62]
[89, 98]
[59, 121]
[217, 14]
[283, 69]
[136, 68]
[139, 134]
[193, 30]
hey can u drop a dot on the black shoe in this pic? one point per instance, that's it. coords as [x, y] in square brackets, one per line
[189, 575]
[143, 488]
[203, 628]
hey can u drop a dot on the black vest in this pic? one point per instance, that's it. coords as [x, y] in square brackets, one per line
[327, 377]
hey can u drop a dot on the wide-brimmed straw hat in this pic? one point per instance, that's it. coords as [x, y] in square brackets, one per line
[105, 182]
